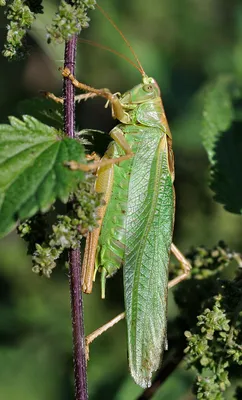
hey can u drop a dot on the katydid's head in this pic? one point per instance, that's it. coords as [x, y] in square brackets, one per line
[148, 90]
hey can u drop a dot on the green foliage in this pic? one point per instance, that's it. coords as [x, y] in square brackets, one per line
[32, 173]
[214, 343]
[21, 16]
[218, 111]
[47, 238]
[213, 378]
[46, 111]
[207, 265]
[70, 19]
[223, 142]
[226, 170]
[171, 39]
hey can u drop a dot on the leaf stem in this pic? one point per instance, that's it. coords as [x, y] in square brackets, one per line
[74, 255]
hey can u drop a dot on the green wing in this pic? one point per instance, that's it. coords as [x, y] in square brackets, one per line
[149, 230]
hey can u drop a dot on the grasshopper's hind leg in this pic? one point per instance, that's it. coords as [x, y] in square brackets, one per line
[90, 338]
[185, 265]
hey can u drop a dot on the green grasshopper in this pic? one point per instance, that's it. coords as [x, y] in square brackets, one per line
[135, 230]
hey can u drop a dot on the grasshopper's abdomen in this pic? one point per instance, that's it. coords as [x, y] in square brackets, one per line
[111, 243]
[110, 252]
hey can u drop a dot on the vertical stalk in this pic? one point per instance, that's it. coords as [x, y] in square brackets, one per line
[74, 255]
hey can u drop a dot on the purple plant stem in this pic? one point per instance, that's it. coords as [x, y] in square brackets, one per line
[74, 255]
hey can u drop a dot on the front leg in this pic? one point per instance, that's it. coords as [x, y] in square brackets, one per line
[60, 100]
[117, 107]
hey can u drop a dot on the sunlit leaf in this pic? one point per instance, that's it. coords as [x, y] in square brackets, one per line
[32, 170]
[218, 111]
[223, 144]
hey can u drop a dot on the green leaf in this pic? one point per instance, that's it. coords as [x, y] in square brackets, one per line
[226, 170]
[32, 171]
[45, 110]
[222, 143]
[218, 111]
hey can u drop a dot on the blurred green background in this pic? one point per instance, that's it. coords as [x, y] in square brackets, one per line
[184, 45]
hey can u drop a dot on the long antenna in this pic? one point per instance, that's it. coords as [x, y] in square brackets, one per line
[95, 44]
[123, 37]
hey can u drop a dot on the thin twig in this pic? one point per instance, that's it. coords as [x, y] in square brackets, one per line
[74, 255]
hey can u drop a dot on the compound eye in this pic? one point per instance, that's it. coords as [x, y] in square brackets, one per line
[148, 88]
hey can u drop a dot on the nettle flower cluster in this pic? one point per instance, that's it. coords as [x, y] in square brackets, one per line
[70, 18]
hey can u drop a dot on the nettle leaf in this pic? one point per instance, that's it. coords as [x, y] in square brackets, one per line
[218, 111]
[222, 141]
[32, 170]
[226, 170]
[45, 110]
